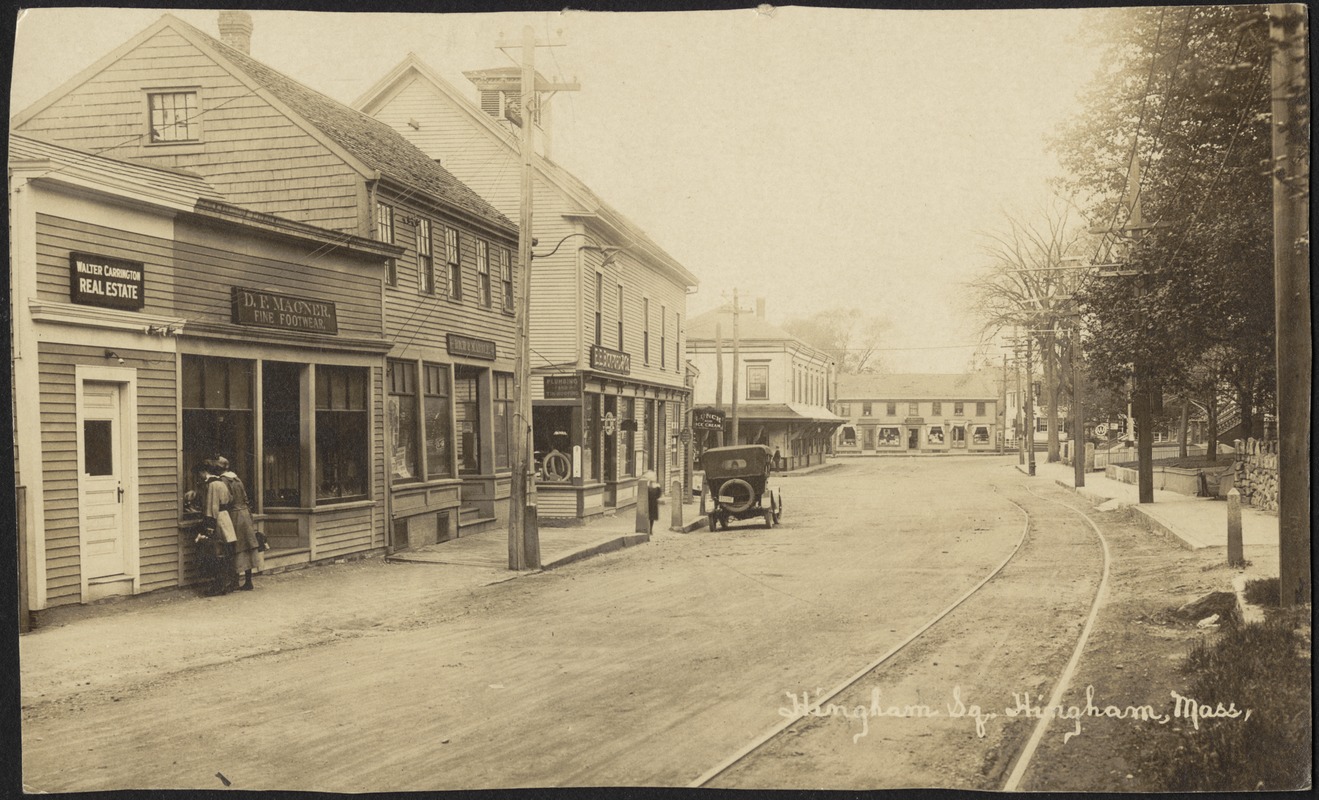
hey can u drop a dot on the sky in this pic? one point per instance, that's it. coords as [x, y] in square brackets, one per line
[819, 158]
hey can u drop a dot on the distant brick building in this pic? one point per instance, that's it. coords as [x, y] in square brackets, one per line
[917, 413]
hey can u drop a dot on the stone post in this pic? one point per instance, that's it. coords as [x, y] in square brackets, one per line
[676, 519]
[1235, 557]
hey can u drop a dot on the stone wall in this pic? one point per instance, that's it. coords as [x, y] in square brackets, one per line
[1256, 473]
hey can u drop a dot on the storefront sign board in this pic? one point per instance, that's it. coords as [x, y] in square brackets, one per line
[707, 419]
[283, 312]
[562, 387]
[106, 282]
[469, 347]
[606, 360]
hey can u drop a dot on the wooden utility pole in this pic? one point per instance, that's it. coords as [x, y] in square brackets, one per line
[1078, 418]
[1003, 408]
[1030, 410]
[719, 378]
[1291, 259]
[523, 532]
[737, 366]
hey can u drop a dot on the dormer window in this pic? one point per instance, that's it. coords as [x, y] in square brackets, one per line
[172, 117]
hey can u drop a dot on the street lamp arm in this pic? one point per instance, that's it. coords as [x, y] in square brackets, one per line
[595, 245]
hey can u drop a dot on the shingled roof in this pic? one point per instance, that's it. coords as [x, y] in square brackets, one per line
[376, 144]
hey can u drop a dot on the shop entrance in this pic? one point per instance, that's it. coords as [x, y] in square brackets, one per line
[552, 427]
[103, 481]
[913, 438]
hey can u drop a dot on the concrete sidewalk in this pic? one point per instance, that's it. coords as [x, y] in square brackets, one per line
[1192, 522]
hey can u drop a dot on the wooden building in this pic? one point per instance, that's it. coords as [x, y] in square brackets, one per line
[608, 386]
[784, 385]
[918, 413]
[176, 97]
[155, 325]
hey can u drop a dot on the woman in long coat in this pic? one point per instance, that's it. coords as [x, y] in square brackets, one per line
[247, 548]
[218, 529]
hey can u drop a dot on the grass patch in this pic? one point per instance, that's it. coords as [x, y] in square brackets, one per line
[1262, 592]
[1261, 667]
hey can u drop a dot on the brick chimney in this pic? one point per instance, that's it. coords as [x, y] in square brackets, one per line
[236, 30]
[760, 308]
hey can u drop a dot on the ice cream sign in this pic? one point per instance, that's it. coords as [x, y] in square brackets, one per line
[106, 282]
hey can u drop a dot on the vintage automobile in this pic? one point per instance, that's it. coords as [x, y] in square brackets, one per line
[738, 479]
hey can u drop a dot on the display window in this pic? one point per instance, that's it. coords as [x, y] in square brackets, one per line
[890, 436]
[439, 425]
[281, 434]
[934, 435]
[401, 414]
[217, 413]
[981, 434]
[467, 414]
[502, 408]
[341, 433]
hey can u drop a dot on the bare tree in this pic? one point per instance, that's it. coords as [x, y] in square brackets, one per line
[849, 335]
[1027, 285]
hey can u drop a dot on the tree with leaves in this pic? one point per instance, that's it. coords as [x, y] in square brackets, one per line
[850, 337]
[1184, 93]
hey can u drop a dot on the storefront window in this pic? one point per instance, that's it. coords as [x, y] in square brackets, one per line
[890, 436]
[217, 413]
[935, 436]
[341, 433]
[401, 415]
[281, 435]
[590, 434]
[648, 443]
[503, 417]
[439, 427]
[467, 409]
[626, 411]
[981, 436]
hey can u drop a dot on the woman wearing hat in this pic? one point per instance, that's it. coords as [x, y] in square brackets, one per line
[247, 547]
[218, 529]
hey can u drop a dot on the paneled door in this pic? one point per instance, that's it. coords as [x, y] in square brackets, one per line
[101, 460]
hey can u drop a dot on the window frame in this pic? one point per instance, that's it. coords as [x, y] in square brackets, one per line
[401, 381]
[959, 408]
[891, 409]
[453, 264]
[425, 257]
[764, 384]
[981, 406]
[483, 289]
[385, 227]
[361, 430]
[936, 408]
[506, 279]
[599, 308]
[664, 336]
[442, 389]
[194, 123]
[621, 349]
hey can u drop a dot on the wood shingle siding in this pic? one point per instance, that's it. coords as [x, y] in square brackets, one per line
[157, 477]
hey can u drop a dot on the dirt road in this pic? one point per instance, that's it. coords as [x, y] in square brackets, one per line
[642, 667]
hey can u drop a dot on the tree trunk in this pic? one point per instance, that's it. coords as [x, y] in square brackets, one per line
[1050, 351]
[1186, 424]
[1246, 402]
[1211, 407]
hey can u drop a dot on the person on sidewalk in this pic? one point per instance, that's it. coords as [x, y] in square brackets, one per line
[218, 530]
[653, 492]
[248, 547]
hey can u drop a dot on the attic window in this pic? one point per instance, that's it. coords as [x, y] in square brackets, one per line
[173, 117]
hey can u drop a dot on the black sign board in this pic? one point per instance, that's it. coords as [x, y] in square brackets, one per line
[562, 387]
[471, 348]
[606, 360]
[707, 419]
[106, 282]
[284, 312]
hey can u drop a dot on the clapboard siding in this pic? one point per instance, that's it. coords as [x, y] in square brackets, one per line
[246, 139]
[473, 154]
[639, 283]
[57, 237]
[556, 503]
[211, 261]
[340, 533]
[416, 321]
[157, 475]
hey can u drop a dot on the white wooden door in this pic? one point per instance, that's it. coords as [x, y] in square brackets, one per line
[101, 460]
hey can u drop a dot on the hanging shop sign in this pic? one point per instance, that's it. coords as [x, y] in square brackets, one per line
[562, 387]
[707, 419]
[471, 348]
[283, 312]
[106, 282]
[606, 360]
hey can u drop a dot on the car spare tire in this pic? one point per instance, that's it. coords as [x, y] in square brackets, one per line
[736, 495]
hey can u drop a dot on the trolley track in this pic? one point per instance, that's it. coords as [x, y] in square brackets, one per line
[1050, 558]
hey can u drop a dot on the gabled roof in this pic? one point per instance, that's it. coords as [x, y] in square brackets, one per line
[376, 144]
[373, 145]
[917, 386]
[594, 207]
